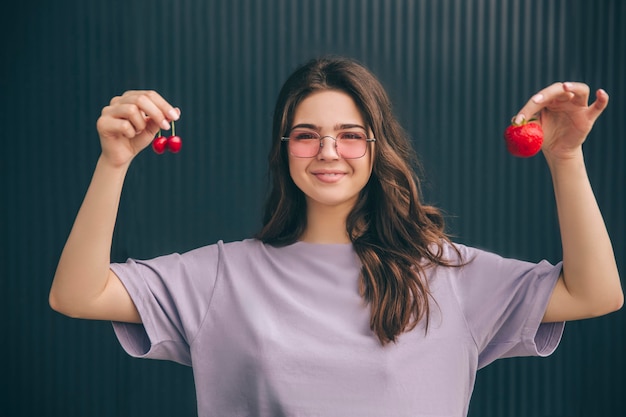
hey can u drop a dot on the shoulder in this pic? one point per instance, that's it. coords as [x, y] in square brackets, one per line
[454, 253]
[232, 247]
[479, 268]
[244, 253]
[469, 265]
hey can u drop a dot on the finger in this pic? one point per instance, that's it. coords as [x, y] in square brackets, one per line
[152, 105]
[131, 113]
[536, 103]
[168, 112]
[598, 106]
[580, 92]
[113, 127]
[136, 121]
[550, 94]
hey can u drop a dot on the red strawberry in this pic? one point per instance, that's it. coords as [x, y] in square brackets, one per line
[524, 139]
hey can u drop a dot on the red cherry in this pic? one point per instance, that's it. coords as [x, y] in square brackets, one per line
[159, 143]
[174, 143]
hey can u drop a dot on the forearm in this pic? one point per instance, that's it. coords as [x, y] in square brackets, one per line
[589, 268]
[83, 268]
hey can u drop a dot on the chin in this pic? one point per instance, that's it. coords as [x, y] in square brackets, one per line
[331, 202]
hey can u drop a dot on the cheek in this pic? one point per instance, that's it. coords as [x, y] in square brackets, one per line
[361, 173]
[367, 165]
[367, 173]
[297, 169]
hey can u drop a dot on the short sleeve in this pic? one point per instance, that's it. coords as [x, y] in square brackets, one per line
[504, 301]
[172, 294]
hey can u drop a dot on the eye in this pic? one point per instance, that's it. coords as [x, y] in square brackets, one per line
[352, 136]
[303, 135]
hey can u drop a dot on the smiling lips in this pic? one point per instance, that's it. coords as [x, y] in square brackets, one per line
[328, 176]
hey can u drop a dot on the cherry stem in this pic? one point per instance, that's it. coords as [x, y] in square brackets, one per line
[159, 134]
[173, 128]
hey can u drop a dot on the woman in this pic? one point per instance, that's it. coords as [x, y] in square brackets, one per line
[351, 300]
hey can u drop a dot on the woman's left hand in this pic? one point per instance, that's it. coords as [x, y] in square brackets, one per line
[563, 111]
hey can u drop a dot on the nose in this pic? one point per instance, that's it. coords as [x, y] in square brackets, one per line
[328, 148]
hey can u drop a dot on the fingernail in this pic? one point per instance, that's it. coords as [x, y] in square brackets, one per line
[174, 115]
[165, 125]
[519, 119]
[537, 98]
[568, 85]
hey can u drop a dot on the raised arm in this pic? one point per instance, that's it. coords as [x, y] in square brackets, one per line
[84, 286]
[589, 285]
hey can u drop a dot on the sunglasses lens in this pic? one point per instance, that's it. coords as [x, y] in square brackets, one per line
[304, 143]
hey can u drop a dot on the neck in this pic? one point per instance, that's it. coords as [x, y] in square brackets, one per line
[326, 224]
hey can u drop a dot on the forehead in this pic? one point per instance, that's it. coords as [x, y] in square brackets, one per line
[328, 108]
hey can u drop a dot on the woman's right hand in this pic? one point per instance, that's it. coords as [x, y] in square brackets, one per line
[130, 122]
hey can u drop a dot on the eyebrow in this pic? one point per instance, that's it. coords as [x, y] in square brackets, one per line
[336, 127]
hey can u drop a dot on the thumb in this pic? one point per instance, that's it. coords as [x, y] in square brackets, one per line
[144, 138]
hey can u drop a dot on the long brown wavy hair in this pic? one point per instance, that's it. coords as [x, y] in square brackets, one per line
[394, 234]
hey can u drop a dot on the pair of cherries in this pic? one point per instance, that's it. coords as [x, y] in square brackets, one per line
[172, 143]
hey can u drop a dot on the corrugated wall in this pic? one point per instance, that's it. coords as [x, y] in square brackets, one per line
[457, 70]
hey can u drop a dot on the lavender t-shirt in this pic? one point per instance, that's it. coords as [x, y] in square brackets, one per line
[284, 332]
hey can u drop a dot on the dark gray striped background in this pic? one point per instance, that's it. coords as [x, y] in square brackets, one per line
[457, 70]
